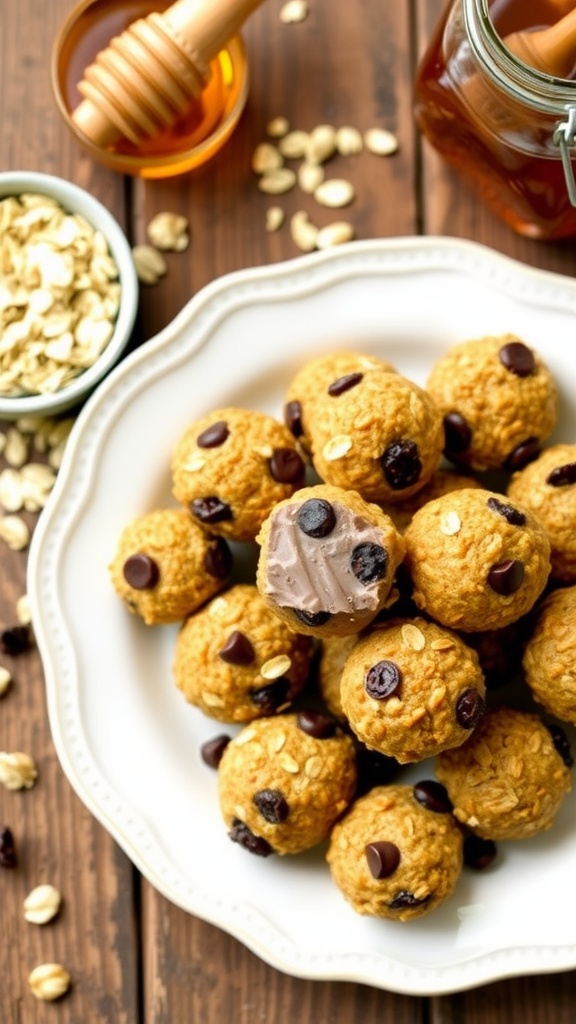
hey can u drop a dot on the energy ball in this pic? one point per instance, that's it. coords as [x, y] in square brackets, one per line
[230, 468]
[397, 852]
[165, 566]
[498, 400]
[547, 487]
[509, 780]
[477, 560]
[327, 560]
[411, 689]
[550, 656]
[284, 781]
[377, 433]
[236, 661]
[318, 377]
[334, 651]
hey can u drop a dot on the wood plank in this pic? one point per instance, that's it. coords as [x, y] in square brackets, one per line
[57, 839]
[342, 68]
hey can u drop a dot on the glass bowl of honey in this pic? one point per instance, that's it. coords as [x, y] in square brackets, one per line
[194, 139]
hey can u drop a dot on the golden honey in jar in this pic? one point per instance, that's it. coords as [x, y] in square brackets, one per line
[507, 127]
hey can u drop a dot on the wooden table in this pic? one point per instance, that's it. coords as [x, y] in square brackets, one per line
[133, 956]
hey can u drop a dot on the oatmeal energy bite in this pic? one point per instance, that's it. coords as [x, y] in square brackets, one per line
[547, 487]
[230, 468]
[498, 401]
[397, 852]
[284, 781]
[165, 566]
[315, 378]
[377, 433]
[411, 689]
[477, 560]
[236, 660]
[327, 560]
[550, 655]
[510, 779]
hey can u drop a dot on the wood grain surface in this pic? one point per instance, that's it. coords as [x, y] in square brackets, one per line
[134, 958]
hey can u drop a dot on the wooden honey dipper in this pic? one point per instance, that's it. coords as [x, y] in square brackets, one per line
[551, 50]
[148, 76]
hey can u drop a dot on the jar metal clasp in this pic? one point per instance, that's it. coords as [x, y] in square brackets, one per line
[565, 139]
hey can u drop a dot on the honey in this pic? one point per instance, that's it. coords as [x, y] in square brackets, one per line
[195, 137]
[506, 128]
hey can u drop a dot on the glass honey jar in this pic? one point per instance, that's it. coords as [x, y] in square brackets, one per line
[508, 127]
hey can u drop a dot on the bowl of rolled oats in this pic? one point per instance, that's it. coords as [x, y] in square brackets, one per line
[68, 293]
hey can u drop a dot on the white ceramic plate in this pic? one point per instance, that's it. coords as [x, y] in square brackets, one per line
[126, 739]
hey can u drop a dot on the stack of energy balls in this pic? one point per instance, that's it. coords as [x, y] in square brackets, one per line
[394, 588]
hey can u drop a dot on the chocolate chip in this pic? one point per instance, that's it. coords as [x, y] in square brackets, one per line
[317, 724]
[269, 698]
[524, 453]
[293, 418]
[512, 515]
[15, 640]
[383, 680]
[218, 559]
[213, 436]
[286, 466]
[8, 857]
[479, 853]
[316, 517]
[369, 562]
[506, 577]
[401, 464]
[470, 708]
[383, 859]
[211, 752]
[517, 358]
[272, 805]
[562, 744]
[311, 618]
[237, 650]
[457, 433]
[433, 796]
[210, 510]
[342, 384]
[241, 834]
[562, 476]
[141, 572]
[403, 898]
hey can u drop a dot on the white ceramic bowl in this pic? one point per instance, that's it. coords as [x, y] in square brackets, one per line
[76, 200]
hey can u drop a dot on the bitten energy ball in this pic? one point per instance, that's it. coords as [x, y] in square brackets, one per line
[509, 780]
[397, 852]
[235, 659]
[477, 560]
[548, 488]
[550, 655]
[317, 378]
[166, 566]
[376, 433]
[230, 469]
[498, 400]
[327, 560]
[284, 781]
[411, 689]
